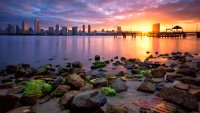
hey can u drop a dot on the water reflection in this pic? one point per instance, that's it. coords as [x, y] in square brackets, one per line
[38, 49]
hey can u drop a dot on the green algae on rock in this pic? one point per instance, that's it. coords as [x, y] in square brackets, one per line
[108, 91]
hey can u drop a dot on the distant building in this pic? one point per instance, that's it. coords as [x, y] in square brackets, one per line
[9, 29]
[83, 28]
[31, 30]
[119, 29]
[57, 30]
[13, 29]
[102, 30]
[89, 29]
[25, 26]
[64, 30]
[37, 26]
[75, 30]
[156, 28]
[51, 30]
[17, 29]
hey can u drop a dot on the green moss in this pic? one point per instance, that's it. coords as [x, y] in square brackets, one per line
[36, 87]
[91, 81]
[108, 91]
[100, 64]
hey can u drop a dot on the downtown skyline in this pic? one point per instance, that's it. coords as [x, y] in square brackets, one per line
[136, 15]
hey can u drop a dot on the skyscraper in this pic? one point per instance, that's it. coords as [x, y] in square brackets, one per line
[156, 28]
[9, 29]
[83, 28]
[17, 29]
[119, 29]
[89, 29]
[57, 30]
[37, 26]
[13, 28]
[64, 30]
[75, 30]
[25, 26]
[51, 30]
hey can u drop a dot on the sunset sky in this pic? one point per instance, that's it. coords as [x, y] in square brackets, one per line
[136, 15]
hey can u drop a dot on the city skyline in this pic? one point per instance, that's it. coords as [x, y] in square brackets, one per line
[136, 15]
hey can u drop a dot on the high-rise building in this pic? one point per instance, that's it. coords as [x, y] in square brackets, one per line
[89, 29]
[64, 30]
[119, 29]
[13, 29]
[156, 28]
[75, 30]
[57, 30]
[9, 29]
[102, 30]
[17, 29]
[37, 26]
[25, 26]
[83, 28]
[51, 30]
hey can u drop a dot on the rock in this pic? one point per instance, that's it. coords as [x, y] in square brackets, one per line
[184, 66]
[15, 90]
[190, 80]
[181, 85]
[107, 61]
[60, 90]
[158, 72]
[97, 58]
[117, 63]
[108, 91]
[196, 93]
[11, 69]
[98, 64]
[79, 71]
[116, 57]
[119, 85]
[58, 81]
[135, 71]
[6, 85]
[186, 71]
[89, 100]
[147, 86]
[121, 73]
[182, 59]
[101, 82]
[172, 77]
[29, 100]
[123, 59]
[23, 109]
[8, 102]
[159, 86]
[116, 109]
[180, 97]
[75, 80]
[66, 99]
[77, 64]
[86, 87]
[45, 99]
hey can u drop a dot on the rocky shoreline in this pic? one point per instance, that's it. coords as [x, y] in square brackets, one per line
[118, 85]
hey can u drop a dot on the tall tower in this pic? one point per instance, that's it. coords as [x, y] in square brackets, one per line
[37, 26]
[83, 28]
[57, 29]
[25, 26]
[89, 29]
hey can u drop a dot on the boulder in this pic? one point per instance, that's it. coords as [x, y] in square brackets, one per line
[190, 80]
[75, 81]
[60, 90]
[97, 58]
[108, 91]
[101, 82]
[89, 100]
[180, 97]
[119, 85]
[77, 64]
[23, 109]
[196, 93]
[8, 102]
[116, 109]
[181, 85]
[87, 87]
[66, 99]
[135, 71]
[15, 90]
[172, 77]
[79, 71]
[158, 72]
[147, 86]
[58, 81]
[186, 71]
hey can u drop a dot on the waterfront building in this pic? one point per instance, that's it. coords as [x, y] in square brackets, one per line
[89, 29]
[103, 30]
[25, 26]
[64, 30]
[9, 29]
[13, 29]
[51, 30]
[75, 30]
[57, 30]
[156, 28]
[17, 29]
[83, 28]
[119, 29]
[37, 26]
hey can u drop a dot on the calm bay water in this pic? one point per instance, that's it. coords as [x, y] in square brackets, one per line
[38, 50]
